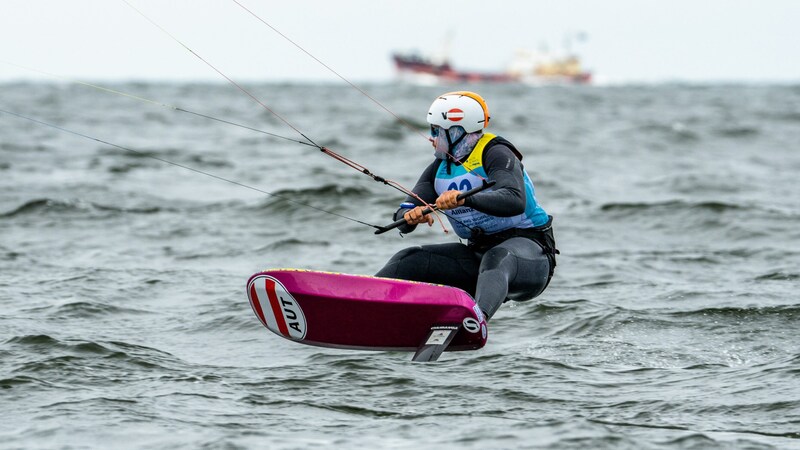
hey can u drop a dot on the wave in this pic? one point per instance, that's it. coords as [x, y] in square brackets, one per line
[288, 244]
[589, 325]
[208, 161]
[711, 206]
[44, 205]
[739, 312]
[677, 132]
[9, 255]
[15, 147]
[127, 161]
[43, 342]
[125, 168]
[158, 117]
[85, 310]
[55, 206]
[737, 131]
[354, 363]
[779, 276]
[790, 116]
[228, 322]
[33, 340]
[21, 380]
[54, 353]
[326, 191]
[144, 153]
[325, 197]
[93, 400]
[396, 130]
[703, 183]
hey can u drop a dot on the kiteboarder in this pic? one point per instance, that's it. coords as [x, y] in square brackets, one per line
[510, 250]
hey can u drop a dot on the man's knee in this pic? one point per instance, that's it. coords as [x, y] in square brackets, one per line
[494, 258]
[408, 253]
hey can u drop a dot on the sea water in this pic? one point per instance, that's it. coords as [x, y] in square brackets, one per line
[671, 322]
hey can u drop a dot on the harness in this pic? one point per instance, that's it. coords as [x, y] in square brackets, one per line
[542, 235]
[479, 241]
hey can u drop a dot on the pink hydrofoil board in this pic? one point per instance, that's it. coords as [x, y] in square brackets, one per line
[366, 313]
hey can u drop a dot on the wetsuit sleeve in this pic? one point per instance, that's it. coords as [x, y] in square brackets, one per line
[507, 197]
[425, 190]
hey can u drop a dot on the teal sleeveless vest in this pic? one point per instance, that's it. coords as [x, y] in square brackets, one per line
[471, 174]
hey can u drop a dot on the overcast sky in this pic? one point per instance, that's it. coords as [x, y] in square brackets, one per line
[627, 40]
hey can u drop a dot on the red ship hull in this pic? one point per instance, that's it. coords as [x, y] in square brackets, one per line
[425, 70]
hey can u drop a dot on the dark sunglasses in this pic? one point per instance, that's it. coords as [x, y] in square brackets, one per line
[435, 130]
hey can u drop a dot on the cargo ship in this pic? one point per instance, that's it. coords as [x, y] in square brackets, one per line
[527, 67]
[416, 68]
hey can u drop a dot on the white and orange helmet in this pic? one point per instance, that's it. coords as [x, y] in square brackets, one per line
[462, 108]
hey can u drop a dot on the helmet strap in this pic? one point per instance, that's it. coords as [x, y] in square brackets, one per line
[451, 144]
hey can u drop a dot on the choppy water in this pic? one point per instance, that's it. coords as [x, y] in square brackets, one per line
[672, 321]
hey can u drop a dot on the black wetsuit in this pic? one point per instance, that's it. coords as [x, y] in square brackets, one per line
[515, 264]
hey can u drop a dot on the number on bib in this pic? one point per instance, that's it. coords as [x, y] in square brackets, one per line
[464, 186]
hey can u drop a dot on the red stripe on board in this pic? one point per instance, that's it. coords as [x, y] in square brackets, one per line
[257, 304]
[276, 308]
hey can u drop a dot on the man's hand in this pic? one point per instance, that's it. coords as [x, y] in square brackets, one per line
[415, 216]
[448, 200]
